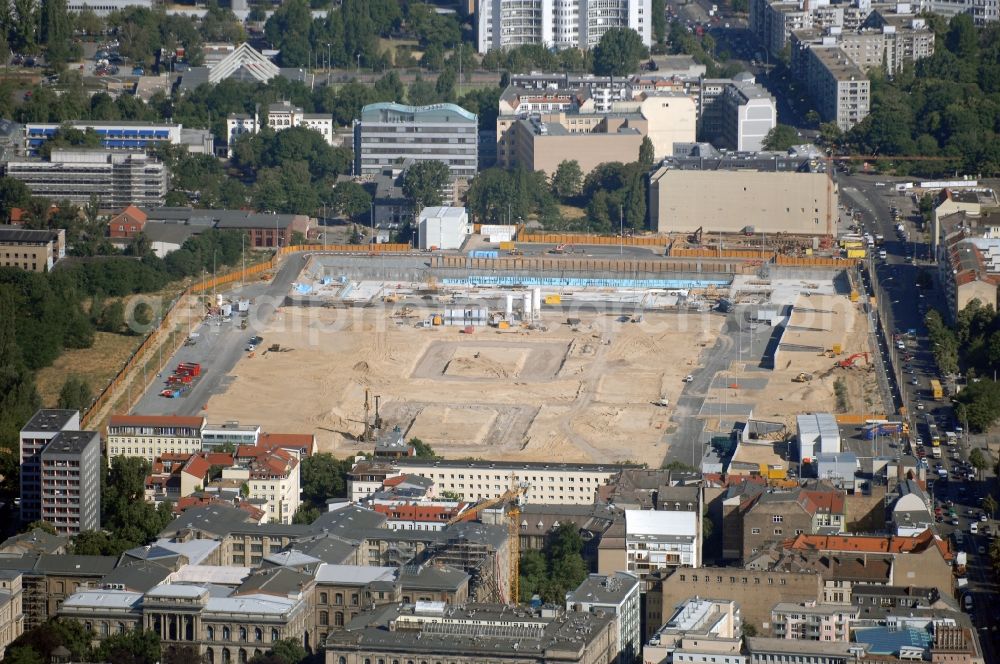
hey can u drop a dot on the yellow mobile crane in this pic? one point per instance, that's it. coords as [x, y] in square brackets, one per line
[513, 496]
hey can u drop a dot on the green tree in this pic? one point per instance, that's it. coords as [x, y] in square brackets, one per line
[45, 638]
[619, 52]
[306, 514]
[990, 505]
[75, 394]
[56, 31]
[978, 460]
[423, 183]
[646, 153]
[323, 476]
[133, 647]
[567, 180]
[22, 655]
[422, 450]
[113, 317]
[182, 654]
[350, 199]
[658, 8]
[18, 398]
[780, 138]
[288, 29]
[41, 525]
[421, 92]
[287, 651]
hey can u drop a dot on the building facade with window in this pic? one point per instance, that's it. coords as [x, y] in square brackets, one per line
[70, 473]
[389, 134]
[33, 250]
[558, 23]
[152, 436]
[38, 432]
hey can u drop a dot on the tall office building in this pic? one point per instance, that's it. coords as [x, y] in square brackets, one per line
[71, 482]
[558, 23]
[35, 435]
[388, 134]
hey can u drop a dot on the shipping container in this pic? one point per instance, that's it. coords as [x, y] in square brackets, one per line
[856, 253]
[936, 390]
[506, 246]
[553, 299]
[484, 253]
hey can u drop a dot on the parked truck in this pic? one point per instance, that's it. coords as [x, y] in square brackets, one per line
[936, 390]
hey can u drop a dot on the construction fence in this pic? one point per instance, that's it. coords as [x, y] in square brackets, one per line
[171, 340]
[582, 265]
[570, 238]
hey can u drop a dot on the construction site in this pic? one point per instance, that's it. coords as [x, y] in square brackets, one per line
[534, 368]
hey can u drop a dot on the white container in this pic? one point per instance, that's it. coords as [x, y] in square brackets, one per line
[509, 308]
[526, 309]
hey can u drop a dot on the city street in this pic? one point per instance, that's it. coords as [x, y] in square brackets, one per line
[910, 370]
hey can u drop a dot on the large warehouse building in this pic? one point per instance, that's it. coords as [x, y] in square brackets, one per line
[682, 200]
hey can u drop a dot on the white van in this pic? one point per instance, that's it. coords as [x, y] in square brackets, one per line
[974, 528]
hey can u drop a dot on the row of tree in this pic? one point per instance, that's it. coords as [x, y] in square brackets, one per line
[947, 105]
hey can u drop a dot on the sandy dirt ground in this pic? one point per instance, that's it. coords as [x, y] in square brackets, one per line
[782, 399]
[587, 395]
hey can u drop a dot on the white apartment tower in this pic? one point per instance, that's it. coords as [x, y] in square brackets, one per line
[558, 23]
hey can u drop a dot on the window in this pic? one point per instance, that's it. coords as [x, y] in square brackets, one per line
[338, 599]
[324, 618]
[777, 518]
[226, 634]
[338, 619]
[755, 531]
[274, 635]
[243, 633]
[777, 531]
[258, 634]
[323, 598]
[210, 633]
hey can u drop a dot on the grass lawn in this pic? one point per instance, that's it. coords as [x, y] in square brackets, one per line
[97, 365]
[572, 212]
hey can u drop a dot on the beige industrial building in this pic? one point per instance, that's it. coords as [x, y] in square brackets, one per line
[731, 200]
[34, 250]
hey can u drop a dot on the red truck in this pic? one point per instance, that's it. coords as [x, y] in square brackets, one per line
[189, 368]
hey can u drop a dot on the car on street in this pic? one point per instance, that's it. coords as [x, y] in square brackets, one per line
[688, 378]
[251, 348]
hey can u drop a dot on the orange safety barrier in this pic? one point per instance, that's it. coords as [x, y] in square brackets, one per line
[565, 238]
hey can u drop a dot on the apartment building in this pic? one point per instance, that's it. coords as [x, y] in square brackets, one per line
[983, 12]
[557, 23]
[389, 134]
[967, 254]
[152, 436]
[839, 87]
[284, 115]
[33, 250]
[271, 475]
[70, 473]
[774, 516]
[699, 630]
[812, 621]
[616, 594]
[766, 650]
[116, 178]
[38, 432]
[735, 114]
[472, 634]
[558, 483]
[649, 540]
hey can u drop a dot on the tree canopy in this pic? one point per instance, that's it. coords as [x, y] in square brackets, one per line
[619, 52]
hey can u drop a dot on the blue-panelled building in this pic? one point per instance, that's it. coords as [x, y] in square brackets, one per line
[121, 135]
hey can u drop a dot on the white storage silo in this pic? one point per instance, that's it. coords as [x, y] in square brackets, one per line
[536, 300]
[509, 309]
[526, 310]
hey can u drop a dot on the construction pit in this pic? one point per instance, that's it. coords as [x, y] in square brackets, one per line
[590, 379]
[594, 376]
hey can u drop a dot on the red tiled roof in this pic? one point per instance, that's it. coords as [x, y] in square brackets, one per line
[197, 466]
[306, 442]
[188, 502]
[155, 421]
[134, 213]
[825, 501]
[870, 544]
[411, 512]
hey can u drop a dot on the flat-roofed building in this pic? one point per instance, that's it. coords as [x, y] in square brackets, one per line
[32, 250]
[699, 630]
[70, 473]
[284, 115]
[731, 200]
[840, 89]
[812, 621]
[126, 135]
[214, 436]
[617, 594]
[472, 634]
[388, 134]
[152, 436]
[117, 179]
[652, 540]
[43, 426]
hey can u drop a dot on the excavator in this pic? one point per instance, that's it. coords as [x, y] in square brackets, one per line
[564, 248]
[695, 238]
[849, 362]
